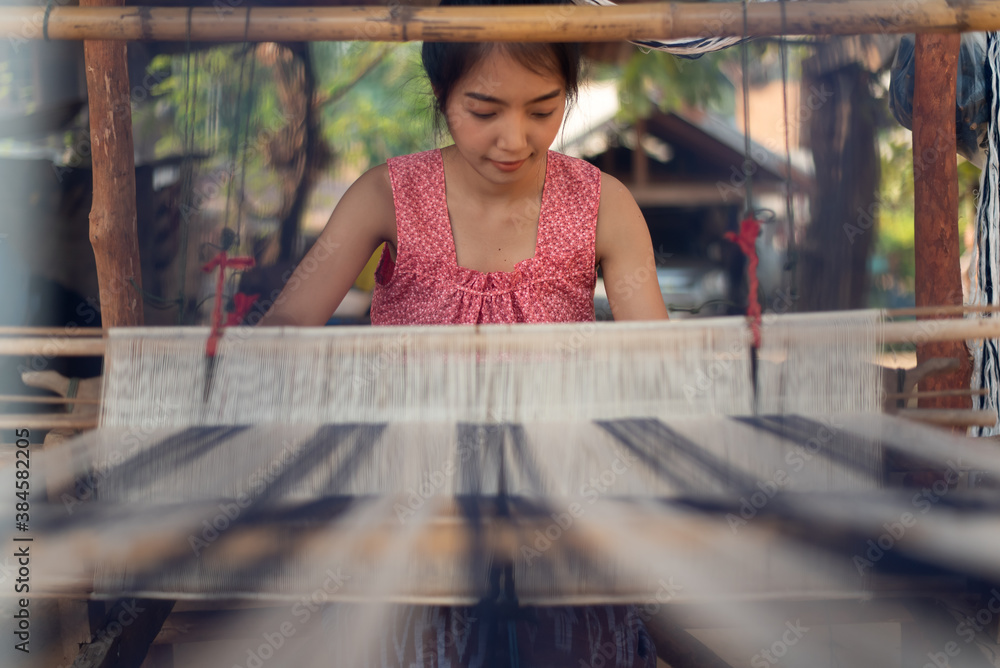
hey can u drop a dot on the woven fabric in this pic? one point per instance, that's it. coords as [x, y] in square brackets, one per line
[986, 260]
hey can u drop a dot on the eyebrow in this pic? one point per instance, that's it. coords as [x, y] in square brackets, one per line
[482, 97]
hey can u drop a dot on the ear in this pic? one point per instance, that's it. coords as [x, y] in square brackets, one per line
[437, 92]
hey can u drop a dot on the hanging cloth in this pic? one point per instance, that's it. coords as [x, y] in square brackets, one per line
[986, 257]
[693, 47]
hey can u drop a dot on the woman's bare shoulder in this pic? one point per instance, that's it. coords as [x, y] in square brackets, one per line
[625, 254]
[369, 199]
[613, 192]
[618, 211]
[374, 186]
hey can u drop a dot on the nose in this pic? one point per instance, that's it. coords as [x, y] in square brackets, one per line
[513, 136]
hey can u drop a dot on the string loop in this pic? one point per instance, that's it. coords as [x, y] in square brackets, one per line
[45, 20]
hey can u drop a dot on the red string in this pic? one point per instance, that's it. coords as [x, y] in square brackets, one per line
[747, 241]
[223, 262]
[242, 303]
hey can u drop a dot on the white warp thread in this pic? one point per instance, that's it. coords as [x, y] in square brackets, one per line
[819, 364]
[156, 378]
[498, 374]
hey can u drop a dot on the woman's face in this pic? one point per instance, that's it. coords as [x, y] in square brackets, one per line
[504, 117]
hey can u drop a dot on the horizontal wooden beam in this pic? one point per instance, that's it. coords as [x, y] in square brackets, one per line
[919, 331]
[937, 393]
[58, 401]
[81, 332]
[45, 421]
[950, 417]
[52, 346]
[545, 23]
[694, 194]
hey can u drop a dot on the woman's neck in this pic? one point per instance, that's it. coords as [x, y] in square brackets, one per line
[472, 184]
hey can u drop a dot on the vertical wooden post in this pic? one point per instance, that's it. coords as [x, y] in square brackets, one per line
[935, 189]
[115, 240]
[113, 218]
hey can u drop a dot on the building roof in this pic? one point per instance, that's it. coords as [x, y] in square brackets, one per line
[695, 157]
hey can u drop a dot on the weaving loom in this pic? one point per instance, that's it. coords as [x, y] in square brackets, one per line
[540, 465]
[745, 478]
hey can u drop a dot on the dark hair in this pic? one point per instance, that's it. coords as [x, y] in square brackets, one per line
[447, 62]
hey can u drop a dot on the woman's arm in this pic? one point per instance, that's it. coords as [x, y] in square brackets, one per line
[625, 254]
[363, 219]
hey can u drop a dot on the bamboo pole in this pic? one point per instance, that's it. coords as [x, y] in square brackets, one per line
[83, 333]
[950, 417]
[56, 331]
[48, 421]
[549, 23]
[947, 309]
[907, 331]
[60, 401]
[52, 346]
[927, 331]
[937, 393]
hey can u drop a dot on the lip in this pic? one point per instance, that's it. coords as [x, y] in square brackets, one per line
[508, 166]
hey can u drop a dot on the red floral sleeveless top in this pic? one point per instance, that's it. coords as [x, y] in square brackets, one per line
[425, 285]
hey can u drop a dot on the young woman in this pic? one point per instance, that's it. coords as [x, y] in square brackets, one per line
[494, 228]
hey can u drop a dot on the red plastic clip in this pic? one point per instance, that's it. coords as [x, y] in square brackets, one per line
[747, 241]
[242, 303]
[222, 261]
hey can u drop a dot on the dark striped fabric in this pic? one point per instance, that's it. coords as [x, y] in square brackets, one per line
[986, 354]
[693, 47]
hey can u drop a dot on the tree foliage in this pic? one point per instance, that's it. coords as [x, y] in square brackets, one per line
[894, 255]
[386, 112]
[372, 101]
[654, 79]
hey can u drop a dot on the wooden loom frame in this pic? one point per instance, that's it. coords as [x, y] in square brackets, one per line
[113, 229]
[543, 23]
[113, 233]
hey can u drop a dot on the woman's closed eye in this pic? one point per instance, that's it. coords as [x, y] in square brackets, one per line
[492, 114]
